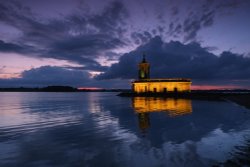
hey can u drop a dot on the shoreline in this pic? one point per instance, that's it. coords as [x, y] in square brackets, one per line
[239, 97]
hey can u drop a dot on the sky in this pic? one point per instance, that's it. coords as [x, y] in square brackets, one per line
[96, 43]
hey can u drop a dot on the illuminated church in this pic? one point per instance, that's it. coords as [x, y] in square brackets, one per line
[167, 85]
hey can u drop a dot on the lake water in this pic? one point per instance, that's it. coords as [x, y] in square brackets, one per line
[102, 129]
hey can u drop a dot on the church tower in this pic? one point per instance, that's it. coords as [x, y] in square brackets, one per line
[144, 69]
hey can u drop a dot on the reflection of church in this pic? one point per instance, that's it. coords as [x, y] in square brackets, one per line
[173, 107]
[146, 85]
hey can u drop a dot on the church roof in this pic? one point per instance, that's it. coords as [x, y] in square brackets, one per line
[163, 80]
[144, 58]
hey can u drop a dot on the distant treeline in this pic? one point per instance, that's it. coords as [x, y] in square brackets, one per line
[58, 89]
[72, 89]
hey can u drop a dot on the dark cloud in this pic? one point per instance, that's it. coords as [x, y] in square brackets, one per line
[199, 18]
[9, 47]
[86, 44]
[228, 4]
[47, 75]
[89, 63]
[112, 20]
[175, 59]
[78, 37]
[6, 47]
[141, 37]
[174, 10]
[88, 68]
[52, 75]
[88, 35]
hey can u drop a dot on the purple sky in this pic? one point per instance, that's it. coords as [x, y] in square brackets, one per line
[94, 43]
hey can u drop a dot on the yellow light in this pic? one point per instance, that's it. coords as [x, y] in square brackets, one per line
[160, 87]
[173, 107]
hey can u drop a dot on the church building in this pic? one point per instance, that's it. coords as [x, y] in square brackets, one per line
[167, 85]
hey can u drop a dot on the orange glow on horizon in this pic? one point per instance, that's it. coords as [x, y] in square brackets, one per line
[10, 76]
[215, 87]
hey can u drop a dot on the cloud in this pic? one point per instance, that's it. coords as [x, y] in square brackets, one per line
[6, 47]
[199, 16]
[9, 47]
[82, 36]
[174, 59]
[47, 75]
[66, 76]
[78, 37]
[141, 37]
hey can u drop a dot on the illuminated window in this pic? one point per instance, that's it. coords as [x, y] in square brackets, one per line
[142, 74]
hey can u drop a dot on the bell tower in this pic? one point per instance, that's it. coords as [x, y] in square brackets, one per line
[144, 69]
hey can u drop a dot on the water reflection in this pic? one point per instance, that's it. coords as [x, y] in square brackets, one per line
[173, 107]
[101, 129]
[143, 121]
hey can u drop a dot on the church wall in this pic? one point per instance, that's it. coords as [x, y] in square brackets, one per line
[161, 87]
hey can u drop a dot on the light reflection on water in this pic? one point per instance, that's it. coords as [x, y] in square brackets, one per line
[173, 107]
[101, 129]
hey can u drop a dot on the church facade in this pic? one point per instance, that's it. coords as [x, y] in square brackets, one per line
[167, 85]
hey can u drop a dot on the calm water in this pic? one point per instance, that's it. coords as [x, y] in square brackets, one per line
[101, 129]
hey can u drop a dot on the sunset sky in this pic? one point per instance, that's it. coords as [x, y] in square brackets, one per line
[96, 43]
